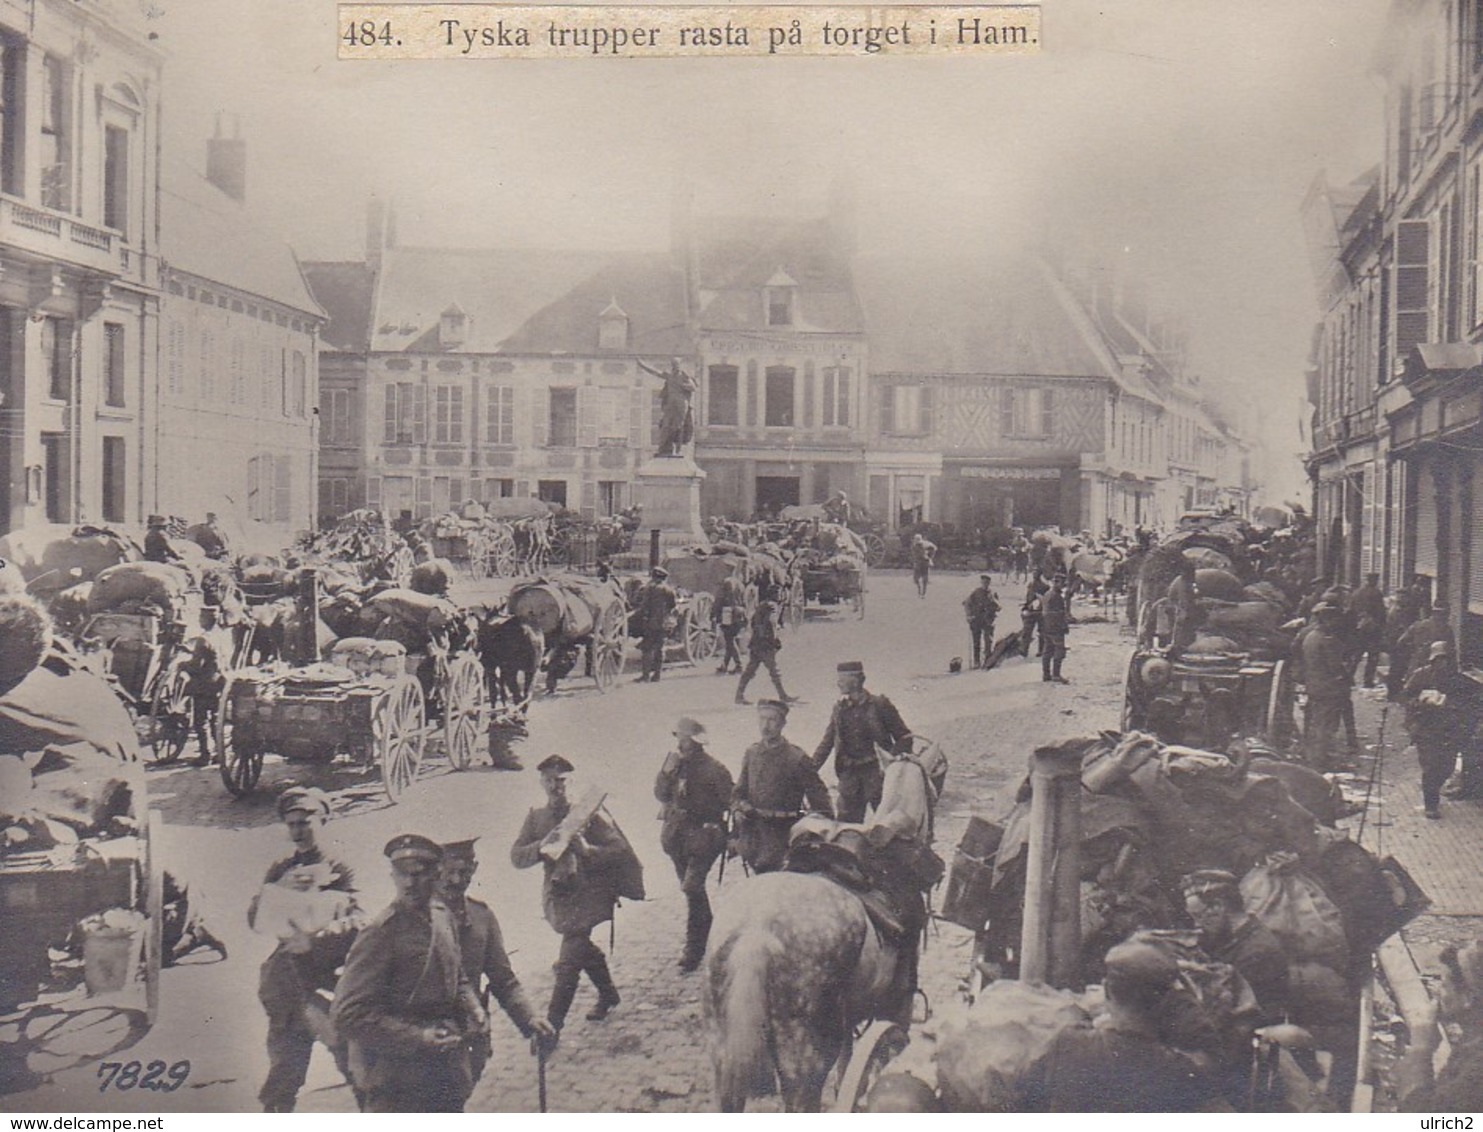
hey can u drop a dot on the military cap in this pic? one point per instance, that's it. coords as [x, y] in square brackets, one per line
[308, 799]
[1141, 962]
[687, 728]
[156, 520]
[459, 850]
[1324, 607]
[986, 577]
[850, 666]
[1210, 882]
[413, 847]
[555, 764]
[1438, 649]
[659, 572]
[774, 705]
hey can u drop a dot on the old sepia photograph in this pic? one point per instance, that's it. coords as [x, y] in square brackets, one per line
[1038, 449]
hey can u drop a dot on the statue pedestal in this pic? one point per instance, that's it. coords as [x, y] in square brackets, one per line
[668, 489]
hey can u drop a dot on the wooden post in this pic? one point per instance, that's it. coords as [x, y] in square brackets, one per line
[1050, 939]
[654, 548]
[304, 648]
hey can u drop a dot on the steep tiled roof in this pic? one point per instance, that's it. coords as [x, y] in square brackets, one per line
[976, 317]
[208, 234]
[345, 291]
[737, 258]
[645, 287]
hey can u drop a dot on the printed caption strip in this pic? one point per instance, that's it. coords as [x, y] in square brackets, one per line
[572, 31]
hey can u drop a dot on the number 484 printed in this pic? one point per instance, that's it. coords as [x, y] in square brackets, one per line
[156, 1076]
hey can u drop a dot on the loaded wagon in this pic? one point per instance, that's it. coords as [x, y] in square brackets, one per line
[375, 700]
[480, 546]
[694, 635]
[832, 567]
[571, 610]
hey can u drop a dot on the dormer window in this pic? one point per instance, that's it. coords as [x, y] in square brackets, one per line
[453, 327]
[781, 290]
[612, 328]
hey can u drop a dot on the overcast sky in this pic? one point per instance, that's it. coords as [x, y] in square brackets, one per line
[1183, 134]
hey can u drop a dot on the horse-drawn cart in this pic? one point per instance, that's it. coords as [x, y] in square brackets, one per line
[375, 701]
[576, 611]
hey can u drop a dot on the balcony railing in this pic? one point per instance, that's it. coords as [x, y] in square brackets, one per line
[55, 235]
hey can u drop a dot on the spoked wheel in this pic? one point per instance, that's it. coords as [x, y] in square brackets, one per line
[503, 554]
[239, 748]
[400, 730]
[797, 602]
[875, 550]
[169, 717]
[608, 641]
[699, 633]
[868, 1057]
[466, 715]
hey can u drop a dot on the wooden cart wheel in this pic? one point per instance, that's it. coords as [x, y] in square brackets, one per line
[505, 558]
[796, 604]
[241, 754]
[154, 908]
[875, 551]
[169, 716]
[608, 641]
[700, 633]
[868, 1057]
[400, 724]
[466, 710]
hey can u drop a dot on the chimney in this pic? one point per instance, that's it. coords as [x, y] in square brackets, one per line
[226, 161]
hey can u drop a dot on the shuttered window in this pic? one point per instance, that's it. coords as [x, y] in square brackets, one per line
[1412, 285]
[1426, 527]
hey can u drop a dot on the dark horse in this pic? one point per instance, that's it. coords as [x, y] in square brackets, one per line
[510, 651]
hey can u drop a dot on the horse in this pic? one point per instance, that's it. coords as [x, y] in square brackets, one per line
[510, 650]
[797, 964]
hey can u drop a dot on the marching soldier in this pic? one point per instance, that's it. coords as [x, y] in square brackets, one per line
[482, 947]
[696, 791]
[1055, 623]
[302, 964]
[730, 614]
[923, 550]
[981, 608]
[762, 651]
[653, 607]
[577, 892]
[776, 779]
[404, 1001]
[860, 723]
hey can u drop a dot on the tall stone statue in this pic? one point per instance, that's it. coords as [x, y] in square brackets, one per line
[677, 422]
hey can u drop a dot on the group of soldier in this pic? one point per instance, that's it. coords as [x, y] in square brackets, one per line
[1046, 611]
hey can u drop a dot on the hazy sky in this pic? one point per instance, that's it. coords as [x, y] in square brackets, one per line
[1183, 133]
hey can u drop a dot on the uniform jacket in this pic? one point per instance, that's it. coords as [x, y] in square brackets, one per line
[922, 552]
[578, 891]
[1325, 670]
[404, 972]
[1367, 607]
[1416, 641]
[1054, 614]
[857, 728]
[776, 779]
[287, 978]
[696, 791]
[482, 947]
[764, 641]
[981, 606]
[1259, 959]
[653, 605]
[730, 597]
[1449, 724]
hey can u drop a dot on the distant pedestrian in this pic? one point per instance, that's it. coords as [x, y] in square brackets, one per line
[203, 685]
[1442, 717]
[1417, 641]
[577, 892]
[695, 789]
[157, 546]
[1367, 608]
[776, 780]
[1030, 611]
[653, 611]
[1324, 670]
[1405, 610]
[923, 550]
[1020, 556]
[981, 607]
[404, 1001]
[762, 652]
[1055, 623]
[729, 614]
[861, 726]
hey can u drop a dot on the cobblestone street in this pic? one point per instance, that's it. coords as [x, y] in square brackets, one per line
[650, 1055]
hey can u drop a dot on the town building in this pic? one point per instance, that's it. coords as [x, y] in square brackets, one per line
[79, 261]
[234, 422]
[460, 374]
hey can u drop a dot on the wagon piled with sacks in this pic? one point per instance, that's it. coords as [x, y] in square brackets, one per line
[365, 539]
[576, 612]
[1151, 816]
[473, 542]
[405, 674]
[832, 565]
[692, 634]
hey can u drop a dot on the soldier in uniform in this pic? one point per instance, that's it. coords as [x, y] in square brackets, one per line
[729, 614]
[653, 607]
[696, 791]
[577, 892]
[1229, 934]
[404, 1001]
[482, 947]
[776, 779]
[922, 551]
[157, 542]
[1367, 608]
[981, 607]
[762, 651]
[1055, 623]
[1325, 674]
[302, 965]
[860, 723]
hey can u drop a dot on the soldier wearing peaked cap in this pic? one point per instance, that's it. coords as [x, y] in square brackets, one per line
[1212, 899]
[695, 789]
[482, 947]
[653, 613]
[860, 725]
[776, 780]
[405, 1002]
[293, 978]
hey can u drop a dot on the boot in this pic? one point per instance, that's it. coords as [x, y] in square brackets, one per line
[607, 993]
[697, 932]
[561, 996]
